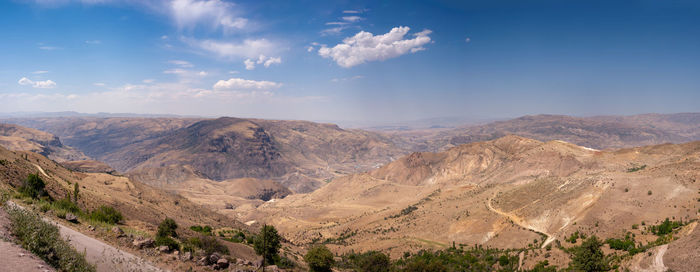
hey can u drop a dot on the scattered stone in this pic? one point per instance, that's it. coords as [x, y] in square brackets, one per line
[214, 258]
[118, 231]
[203, 261]
[91, 228]
[143, 242]
[71, 218]
[186, 257]
[163, 249]
[222, 263]
[272, 268]
[229, 206]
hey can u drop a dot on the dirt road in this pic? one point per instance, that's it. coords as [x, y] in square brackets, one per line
[518, 221]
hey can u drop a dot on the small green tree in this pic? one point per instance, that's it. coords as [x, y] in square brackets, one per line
[33, 186]
[167, 228]
[267, 243]
[76, 190]
[589, 256]
[319, 258]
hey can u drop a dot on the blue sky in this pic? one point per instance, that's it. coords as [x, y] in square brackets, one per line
[365, 61]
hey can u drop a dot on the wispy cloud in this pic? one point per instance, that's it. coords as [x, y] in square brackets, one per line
[189, 14]
[245, 84]
[46, 84]
[93, 42]
[365, 46]
[181, 63]
[249, 48]
[38, 72]
[352, 18]
[49, 48]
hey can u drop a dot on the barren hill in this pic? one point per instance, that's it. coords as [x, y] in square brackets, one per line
[299, 154]
[598, 132]
[20, 138]
[512, 192]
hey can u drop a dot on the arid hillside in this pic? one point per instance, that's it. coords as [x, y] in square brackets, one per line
[20, 138]
[300, 155]
[511, 192]
[600, 132]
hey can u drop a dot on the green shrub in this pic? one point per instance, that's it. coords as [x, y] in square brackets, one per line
[665, 227]
[201, 229]
[208, 244]
[373, 261]
[33, 186]
[319, 258]
[44, 240]
[107, 215]
[167, 228]
[167, 241]
[66, 205]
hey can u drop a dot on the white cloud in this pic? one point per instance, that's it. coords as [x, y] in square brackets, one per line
[337, 23]
[99, 84]
[49, 48]
[249, 64]
[40, 72]
[347, 78]
[365, 46]
[249, 48]
[148, 80]
[164, 37]
[93, 42]
[262, 59]
[46, 84]
[181, 63]
[468, 40]
[352, 18]
[212, 13]
[245, 84]
[352, 11]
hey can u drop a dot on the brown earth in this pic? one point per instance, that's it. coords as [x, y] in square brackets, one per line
[301, 155]
[20, 138]
[511, 192]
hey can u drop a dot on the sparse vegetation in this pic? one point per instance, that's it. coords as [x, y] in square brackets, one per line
[107, 215]
[665, 227]
[167, 241]
[208, 244]
[167, 228]
[44, 240]
[33, 187]
[636, 168]
[201, 229]
[405, 211]
[319, 259]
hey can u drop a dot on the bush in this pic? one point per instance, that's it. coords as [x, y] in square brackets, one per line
[167, 241]
[373, 261]
[665, 228]
[208, 244]
[33, 186]
[167, 228]
[319, 258]
[66, 205]
[107, 215]
[44, 240]
[267, 243]
[589, 256]
[205, 229]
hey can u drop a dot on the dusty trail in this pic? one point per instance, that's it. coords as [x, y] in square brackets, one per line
[104, 256]
[518, 221]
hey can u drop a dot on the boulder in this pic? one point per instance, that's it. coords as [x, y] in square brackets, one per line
[213, 258]
[203, 261]
[91, 228]
[118, 231]
[71, 218]
[221, 264]
[163, 249]
[143, 242]
[229, 206]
